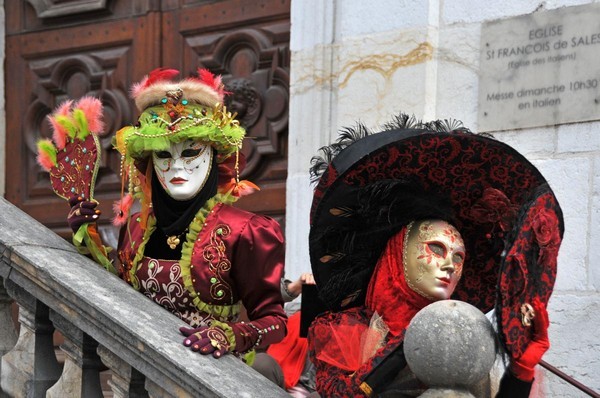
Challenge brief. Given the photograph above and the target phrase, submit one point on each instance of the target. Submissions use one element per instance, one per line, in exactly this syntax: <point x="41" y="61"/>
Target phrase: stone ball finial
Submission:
<point x="450" y="345"/>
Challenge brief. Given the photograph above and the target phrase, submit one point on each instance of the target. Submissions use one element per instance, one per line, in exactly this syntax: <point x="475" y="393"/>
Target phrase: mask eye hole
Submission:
<point x="163" y="154"/>
<point x="437" y="248"/>
<point x="458" y="258"/>
<point x="190" y="153"/>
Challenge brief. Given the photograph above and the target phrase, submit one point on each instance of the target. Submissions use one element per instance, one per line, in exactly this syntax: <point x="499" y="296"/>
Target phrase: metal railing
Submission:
<point x="569" y="379"/>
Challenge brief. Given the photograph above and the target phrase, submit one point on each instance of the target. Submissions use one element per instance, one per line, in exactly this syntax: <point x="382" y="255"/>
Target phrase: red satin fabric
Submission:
<point x="237" y="256"/>
<point x="340" y="343"/>
<point x="388" y="294"/>
<point x="291" y="352"/>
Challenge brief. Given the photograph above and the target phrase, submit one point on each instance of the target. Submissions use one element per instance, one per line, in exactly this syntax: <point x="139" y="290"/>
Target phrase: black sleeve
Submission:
<point x="511" y="387"/>
<point x="384" y="372"/>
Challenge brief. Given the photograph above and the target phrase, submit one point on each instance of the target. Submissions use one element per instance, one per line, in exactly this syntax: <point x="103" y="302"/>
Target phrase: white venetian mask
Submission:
<point x="183" y="169"/>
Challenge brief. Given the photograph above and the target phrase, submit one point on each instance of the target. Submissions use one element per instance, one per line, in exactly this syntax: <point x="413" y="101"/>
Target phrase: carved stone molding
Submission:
<point x="57" y="8"/>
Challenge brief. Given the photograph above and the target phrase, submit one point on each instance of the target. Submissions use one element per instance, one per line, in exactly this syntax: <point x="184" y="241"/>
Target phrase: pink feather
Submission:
<point x="121" y="209"/>
<point x="92" y="109"/>
<point x="59" y="133"/>
<point x="45" y="160"/>
<point x="64" y="109"/>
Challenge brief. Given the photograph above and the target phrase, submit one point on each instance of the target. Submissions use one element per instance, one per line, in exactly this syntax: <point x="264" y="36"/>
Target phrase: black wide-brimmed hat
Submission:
<point x="371" y="185"/>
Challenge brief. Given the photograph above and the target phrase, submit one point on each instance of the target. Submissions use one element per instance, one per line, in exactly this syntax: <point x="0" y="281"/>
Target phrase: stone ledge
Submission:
<point x="116" y="316"/>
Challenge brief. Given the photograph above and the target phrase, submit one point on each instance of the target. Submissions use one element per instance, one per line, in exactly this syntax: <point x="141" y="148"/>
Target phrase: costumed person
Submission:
<point x="418" y="213"/>
<point x="187" y="249"/>
<point x="292" y="352"/>
<point x="291" y="290"/>
<point x="286" y="363"/>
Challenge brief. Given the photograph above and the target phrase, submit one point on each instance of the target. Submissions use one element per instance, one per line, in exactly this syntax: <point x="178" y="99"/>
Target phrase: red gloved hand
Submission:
<point x="207" y="340"/>
<point x="523" y="367"/>
<point x="82" y="211"/>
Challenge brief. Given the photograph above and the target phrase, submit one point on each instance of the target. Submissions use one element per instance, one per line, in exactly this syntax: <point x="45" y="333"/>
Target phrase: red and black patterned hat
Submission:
<point x="371" y="185"/>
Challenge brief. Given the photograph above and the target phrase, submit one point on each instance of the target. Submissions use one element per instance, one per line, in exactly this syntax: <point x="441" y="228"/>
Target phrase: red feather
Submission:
<point x="160" y="74"/>
<point x="206" y="77"/>
<point x="122" y="208"/>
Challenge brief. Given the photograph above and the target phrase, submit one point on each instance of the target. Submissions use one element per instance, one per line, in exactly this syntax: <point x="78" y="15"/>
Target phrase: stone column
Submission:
<point x="156" y="391"/>
<point x="81" y="372"/>
<point x="126" y="382"/>
<point x="8" y="333"/>
<point x="30" y="368"/>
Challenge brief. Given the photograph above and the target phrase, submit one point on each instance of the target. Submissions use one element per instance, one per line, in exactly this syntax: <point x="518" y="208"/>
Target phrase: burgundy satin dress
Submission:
<point x="236" y="258"/>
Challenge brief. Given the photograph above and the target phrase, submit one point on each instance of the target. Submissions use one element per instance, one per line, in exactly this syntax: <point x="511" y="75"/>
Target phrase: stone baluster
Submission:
<point x="156" y="391"/>
<point x="81" y="372"/>
<point x="8" y="333"/>
<point x="41" y="270"/>
<point x="126" y="382"/>
<point x="30" y="368"/>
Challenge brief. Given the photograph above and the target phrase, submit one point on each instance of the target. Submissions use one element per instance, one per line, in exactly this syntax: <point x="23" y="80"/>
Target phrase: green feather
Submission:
<point x="81" y="124"/>
<point x="48" y="148"/>
<point x="68" y="125"/>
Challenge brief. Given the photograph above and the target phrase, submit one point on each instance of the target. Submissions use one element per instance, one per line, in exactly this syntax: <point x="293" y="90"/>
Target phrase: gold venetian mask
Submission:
<point x="433" y="258"/>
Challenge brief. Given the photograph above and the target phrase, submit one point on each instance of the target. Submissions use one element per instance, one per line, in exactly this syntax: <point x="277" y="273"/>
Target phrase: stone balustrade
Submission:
<point x="105" y="324"/>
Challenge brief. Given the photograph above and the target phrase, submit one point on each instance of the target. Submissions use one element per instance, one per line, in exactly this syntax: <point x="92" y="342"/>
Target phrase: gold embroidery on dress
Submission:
<point x="218" y="263"/>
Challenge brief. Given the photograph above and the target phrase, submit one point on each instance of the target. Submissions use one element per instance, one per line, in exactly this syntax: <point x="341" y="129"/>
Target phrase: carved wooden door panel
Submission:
<point x="58" y="49"/>
<point x="65" y="49"/>
<point x="246" y="41"/>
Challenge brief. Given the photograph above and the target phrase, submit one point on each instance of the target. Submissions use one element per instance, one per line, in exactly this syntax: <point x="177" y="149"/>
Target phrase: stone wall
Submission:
<point x="354" y="60"/>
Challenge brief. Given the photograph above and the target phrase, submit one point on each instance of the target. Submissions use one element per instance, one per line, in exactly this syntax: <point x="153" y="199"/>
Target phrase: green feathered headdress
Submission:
<point x="172" y="112"/>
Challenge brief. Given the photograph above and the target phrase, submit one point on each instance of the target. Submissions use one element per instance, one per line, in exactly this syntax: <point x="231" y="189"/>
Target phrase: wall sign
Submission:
<point x="540" y="69"/>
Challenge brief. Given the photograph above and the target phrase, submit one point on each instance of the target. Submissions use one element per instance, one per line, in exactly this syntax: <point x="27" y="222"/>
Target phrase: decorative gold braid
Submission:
<point x="404" y="261"/>
<point x="223" y="311"/>
<point x="366" y="389"/>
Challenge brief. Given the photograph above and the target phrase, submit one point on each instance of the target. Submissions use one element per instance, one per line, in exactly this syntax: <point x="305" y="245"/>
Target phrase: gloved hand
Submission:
<point x="523" y="367"/>
<point x="208" y="340"/>
<point x="82" y="211"/>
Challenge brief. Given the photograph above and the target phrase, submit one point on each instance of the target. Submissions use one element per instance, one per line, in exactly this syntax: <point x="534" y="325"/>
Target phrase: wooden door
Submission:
<point x="246" y="41"/>
<point x="58" y="49"/>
